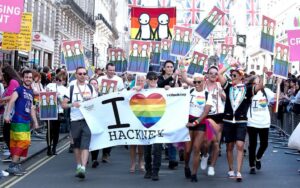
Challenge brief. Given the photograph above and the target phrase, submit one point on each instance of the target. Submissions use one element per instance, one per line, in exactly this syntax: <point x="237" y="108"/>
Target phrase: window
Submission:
<point x="42" y="14"/>
<point x="257" y="67"/>
<point x="252" y="66"/>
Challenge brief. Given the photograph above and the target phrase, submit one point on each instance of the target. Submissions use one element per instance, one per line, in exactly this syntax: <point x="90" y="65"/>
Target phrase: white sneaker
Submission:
<point x="231" y="174"/>
<point x="4" y="173"/>
<point x="204" y="162"/>
<point x="211" y="171"/>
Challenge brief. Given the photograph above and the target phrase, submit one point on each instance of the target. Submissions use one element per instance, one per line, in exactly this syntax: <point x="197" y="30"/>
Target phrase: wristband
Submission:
<point x="70" y="105"/>
<point x="196" y="122"/>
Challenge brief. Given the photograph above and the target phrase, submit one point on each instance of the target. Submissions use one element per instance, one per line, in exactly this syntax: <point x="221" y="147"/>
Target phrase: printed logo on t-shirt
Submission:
<point x="200" y="100"/>
<point x="263" y="103"/>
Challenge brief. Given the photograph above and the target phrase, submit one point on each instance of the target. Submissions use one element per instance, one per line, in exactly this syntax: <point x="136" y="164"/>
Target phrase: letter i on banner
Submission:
<point x="209" y="23"/>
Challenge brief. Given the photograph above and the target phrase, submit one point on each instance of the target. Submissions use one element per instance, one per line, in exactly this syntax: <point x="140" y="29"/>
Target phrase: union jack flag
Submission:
<point x="230" y="30"/>
<point x="164" y="3"/>
<point x="224" y="5"/>
<point x="133" y="3"/>
<point x="191" y="12"/>
<point x="252" y="12"/>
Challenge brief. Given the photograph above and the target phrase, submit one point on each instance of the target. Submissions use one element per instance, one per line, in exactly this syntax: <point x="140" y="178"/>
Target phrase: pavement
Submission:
<point x="278" y="170"/>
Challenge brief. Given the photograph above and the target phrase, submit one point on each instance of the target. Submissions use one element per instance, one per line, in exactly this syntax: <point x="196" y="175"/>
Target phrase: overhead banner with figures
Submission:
<point x="267" y="39"/>
<point x="209" y="23"/>
<point x="152" y="23"/>
<point x="138" y="118"/>
<point x="20" y="41"/>
<point x="73" y="55"/>
<point x="117" y="57"/>
<point x="281" y="61"/>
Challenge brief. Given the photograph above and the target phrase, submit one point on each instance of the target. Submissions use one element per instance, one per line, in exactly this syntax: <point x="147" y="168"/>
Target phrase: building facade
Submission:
<point x="73" y="23"/>
<point x="106" y="33"/>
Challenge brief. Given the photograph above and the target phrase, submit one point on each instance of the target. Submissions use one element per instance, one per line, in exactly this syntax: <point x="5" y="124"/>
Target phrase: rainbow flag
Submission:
<point x="148" y="110"/>
<point x="19" y="139"/>
<point x="152" y="23"/>
<point x="267" y="39"/>
<point x="197" y="63"/>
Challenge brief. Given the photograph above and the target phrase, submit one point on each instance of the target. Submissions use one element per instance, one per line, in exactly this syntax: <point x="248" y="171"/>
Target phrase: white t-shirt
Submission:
<point x="76" y="97"/>
<point x="198" y="102"/>
<point x="260" y="115"/>
<point x="120" y="84"/>
<point x="61" y="91"/>
<point x="217" y="104"/>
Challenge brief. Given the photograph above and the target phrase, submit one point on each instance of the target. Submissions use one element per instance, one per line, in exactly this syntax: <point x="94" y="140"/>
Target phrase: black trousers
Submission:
<point x="263" y="137"/>
<point x="6" y="133"/>
<point x="53" y="133"/>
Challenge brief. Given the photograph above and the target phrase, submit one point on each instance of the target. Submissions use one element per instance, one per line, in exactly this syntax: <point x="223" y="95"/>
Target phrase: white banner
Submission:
<point x="138" y="118"/>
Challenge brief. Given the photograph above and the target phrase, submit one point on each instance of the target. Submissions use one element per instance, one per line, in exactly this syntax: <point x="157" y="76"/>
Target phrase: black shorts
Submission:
<point x="218" y="118"/>
<point x="199" y="127"/>
<point x="234" y="132"/>
<point x="81" y="134"/>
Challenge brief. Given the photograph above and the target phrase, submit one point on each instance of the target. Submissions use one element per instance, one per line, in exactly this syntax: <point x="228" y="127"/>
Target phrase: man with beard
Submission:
<point x="22" y="100"/>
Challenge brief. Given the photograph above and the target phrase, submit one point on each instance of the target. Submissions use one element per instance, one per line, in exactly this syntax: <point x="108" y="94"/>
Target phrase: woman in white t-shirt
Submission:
<point x="200" y="105"/>
<point x="259" y="122"/>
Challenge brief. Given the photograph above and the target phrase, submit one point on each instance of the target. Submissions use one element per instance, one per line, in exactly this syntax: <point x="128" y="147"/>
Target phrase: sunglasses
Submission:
<point x="80" y="74"/>
<point x="169" y="67"/>
<point x="197" y="82"/>
<point x="233" y="75"/>
<point x="153" y="78"/>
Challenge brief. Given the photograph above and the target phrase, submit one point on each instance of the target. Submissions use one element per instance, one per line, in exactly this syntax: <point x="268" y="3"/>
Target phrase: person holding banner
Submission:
<point x="166" y="80"/>
<point x="237" y="104"/>
<point x="80" y="131"/>
<point x="22" y="102"/>
<point x="200" y="105"/>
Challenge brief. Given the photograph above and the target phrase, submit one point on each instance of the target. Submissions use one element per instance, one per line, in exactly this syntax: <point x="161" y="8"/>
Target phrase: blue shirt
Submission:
<point x="23" y="105"/>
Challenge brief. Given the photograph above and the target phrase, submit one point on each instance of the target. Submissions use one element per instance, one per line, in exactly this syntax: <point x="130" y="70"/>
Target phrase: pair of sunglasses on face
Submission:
<point x="152" y="78"/>
<point x="233" y="75"/>
<point x="197" y="82"/>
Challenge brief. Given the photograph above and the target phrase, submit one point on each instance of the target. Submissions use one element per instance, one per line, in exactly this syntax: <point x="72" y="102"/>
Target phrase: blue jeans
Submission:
<point x="172" y="152"/>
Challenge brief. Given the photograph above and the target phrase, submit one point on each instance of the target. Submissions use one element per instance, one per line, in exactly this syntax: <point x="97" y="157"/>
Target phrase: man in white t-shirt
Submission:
<point x="110" y="75"/>
<point x="80" y="131"/>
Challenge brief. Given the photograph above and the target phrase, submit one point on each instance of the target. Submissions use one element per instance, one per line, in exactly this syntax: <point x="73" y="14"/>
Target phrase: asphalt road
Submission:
<point x="278" y="170"/>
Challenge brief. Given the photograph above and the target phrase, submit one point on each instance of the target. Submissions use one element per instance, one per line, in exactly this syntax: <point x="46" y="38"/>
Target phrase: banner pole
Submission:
<point x="277" y="94"/>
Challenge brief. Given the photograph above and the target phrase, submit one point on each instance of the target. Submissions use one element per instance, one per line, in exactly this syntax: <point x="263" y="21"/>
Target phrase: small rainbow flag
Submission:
<point x="148" y="110"/>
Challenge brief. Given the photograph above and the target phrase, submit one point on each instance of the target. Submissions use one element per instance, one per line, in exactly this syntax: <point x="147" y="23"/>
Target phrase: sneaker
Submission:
<point x="194" y="178"/>
<point x="154" y="176"/>
<point x="148" y="175"/>
<point x="211" y="171"/>
<point x="21" y="169"/>
<point x="95" y="164"/>
<point x="258" y="164"/>
<point x="239" y="177"/>
<point x="187" y="172"/>
<point x="7" y="159"/>
<point x="3" y="173"/>
<point x="80" y="173"/>
<point x="14" y="170"/>
<point x="204" y="160"/>
<point x="231" y="174"/>
<point x="252" y="170"/>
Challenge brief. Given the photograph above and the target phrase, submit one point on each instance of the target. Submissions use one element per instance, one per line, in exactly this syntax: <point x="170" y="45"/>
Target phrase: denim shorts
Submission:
<point x="81" y="134"/>
<point x="234" y="132"/>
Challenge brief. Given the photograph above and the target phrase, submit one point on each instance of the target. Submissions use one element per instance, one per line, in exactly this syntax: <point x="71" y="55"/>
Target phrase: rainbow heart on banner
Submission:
<point x="148" y="110"/>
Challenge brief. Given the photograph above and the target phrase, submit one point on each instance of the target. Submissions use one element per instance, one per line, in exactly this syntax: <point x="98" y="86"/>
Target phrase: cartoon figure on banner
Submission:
<point x="163" y="31"/>
<point x="267" y="34"/>
<point x="155" y="55"/>
<point x="73" y="56"/>
<point x="48" y="106"/>
<point x="209" y="23"/>
<point x="226" y="50"/>
<point x="197" y="63"/>
<point x="281" y="62"/>
<point x="107" y="86"/>
<point x="166" y="50"/>
<point x="182" y="41"/>
<point x="139" y="57"/>
<point x="152" y="23"/>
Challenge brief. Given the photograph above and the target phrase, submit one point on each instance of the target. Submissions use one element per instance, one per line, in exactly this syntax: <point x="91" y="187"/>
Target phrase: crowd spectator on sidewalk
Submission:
<point x="22" y="103"/>
<point x="11" y="80"/>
